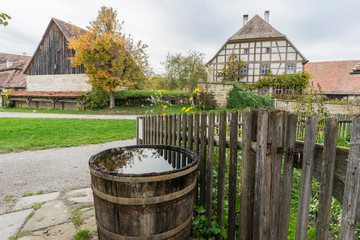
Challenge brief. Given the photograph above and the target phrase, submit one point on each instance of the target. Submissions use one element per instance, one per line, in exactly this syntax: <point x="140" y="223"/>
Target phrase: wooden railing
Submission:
<point x="269" y="153"/>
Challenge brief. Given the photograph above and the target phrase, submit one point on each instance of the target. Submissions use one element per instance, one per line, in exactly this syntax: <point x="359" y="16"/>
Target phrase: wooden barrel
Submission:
<point x="147" y="205"/>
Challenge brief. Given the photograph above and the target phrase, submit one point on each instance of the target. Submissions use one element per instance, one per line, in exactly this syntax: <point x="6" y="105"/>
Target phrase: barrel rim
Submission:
<point x="190" y="153"/>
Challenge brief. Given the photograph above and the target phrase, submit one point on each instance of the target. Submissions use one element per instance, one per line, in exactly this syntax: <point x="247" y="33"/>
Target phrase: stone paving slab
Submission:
<point x="83" y="195"/>
<point x="11" y="223"/>
<point x="62" y="231"/>
<point x="27" y="202"/>
<point x="50" y="214"/>
<point x="3" y="208"/>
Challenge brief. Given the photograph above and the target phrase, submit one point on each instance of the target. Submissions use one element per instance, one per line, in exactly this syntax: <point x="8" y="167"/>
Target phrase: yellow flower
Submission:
<point x="183" y="109"/>
<point x="190" y="99"/>
<point x="164" y="114"/>
<point x="205" y="91"/>
<point x="196" y="90"/>
<point x="165" y="106"/>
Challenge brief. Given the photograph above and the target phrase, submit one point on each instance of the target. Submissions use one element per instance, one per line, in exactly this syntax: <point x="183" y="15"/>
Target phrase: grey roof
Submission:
<point x="68" y="29"/>
<point x="256" y="28"/>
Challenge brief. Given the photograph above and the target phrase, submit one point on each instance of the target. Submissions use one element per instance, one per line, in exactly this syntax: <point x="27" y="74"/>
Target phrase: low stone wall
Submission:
<point x="61" y="82"/>
<point x="331" y="107"/>
<point x="219" y="90"/>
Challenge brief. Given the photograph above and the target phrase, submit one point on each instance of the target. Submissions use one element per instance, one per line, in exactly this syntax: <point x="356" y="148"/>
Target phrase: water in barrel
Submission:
<point x="142" y="160"/>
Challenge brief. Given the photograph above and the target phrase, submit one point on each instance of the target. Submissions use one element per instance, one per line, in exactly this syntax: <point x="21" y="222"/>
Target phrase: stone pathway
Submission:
<point x="49" y="216"/>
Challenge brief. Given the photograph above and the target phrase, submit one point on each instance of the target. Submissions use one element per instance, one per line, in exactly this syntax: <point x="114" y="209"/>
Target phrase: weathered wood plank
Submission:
<point x="327" y="178"/>
<point x="306" y="177"/>
<point x="248" y="163"/>
<point x="178" y="133"/>
<point x="221" y="168"/>
<point x="184" y="130"/>
<point x="203" y="158"/>
<point x="196" y="148"/>
<point x="288" y="169"/>
<point x="232" y="173"/>
<point x="173" y="143"/>
<point x="190" y="133"/>
<point x="352" y="187"/>
<point x="210" y="166"/>
<point x="161" y="129"/>
<point x="166" y="130"/>
<point x="276" y="131"/>
<point x="262" y="180"/>
<point x="169" y="130"/>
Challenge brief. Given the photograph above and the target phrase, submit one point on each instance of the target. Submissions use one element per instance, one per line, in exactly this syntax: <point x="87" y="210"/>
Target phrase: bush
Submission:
<point x="97" y="99"/>
<point x="239" y="98"/>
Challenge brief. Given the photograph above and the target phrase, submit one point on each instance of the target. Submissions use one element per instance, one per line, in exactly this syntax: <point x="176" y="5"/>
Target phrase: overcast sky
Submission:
<point x="323" y="30"/>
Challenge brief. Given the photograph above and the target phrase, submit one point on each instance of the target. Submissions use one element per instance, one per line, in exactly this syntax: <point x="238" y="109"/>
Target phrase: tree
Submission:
<point x="3" y="19"/>
<point x="184" y="71"/>
<point x="232" y="70"/>
<point x="111" y="59"/>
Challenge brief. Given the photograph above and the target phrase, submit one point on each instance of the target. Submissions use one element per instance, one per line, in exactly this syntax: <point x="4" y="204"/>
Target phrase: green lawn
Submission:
<point x="26" y="133"/>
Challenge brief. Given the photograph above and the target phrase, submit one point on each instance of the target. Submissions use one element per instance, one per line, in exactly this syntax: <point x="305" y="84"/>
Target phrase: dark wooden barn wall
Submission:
<point x="52" y="57"/>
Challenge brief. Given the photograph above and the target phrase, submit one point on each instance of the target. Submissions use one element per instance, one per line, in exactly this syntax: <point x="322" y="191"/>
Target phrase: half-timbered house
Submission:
<point x="264" y="50"/>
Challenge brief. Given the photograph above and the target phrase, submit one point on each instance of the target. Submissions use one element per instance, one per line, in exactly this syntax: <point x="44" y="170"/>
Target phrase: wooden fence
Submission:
<point x="269" y="153"/>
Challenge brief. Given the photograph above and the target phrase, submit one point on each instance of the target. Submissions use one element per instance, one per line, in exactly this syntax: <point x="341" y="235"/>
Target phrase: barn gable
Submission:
<point x="52" y="55"/>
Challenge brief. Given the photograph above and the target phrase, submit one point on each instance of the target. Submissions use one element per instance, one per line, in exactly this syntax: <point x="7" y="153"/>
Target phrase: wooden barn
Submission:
<point x="51" y="81"/>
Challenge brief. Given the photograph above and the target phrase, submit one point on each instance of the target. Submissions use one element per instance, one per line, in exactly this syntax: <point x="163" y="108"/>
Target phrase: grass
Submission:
<point x="36" y="206"/>
<point x="76" y="218"/>
<point x="29" y="134"/>
<point x="82" y="235"/>
<point x="19" y="235"/>
<point x="8" y="198"/>
<point x="39" y="192"/>
<point x="27" y="194"/>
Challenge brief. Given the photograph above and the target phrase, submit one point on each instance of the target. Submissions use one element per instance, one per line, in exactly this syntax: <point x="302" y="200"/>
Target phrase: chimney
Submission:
<point x="267" y="16"/>
<point x="9" y="63"/>
<point x="245" y="19"/>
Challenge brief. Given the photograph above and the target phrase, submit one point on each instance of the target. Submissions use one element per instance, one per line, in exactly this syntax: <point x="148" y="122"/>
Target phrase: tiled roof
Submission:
<point x="334" y="77"/>
<point x="256" y="28"/>
<point x="46" y="94"/>
<point x="13" y="76"/>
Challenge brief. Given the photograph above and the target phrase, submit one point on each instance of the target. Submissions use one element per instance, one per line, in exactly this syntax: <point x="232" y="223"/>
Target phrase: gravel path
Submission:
<point x="56" y="169"/>
<point x="56" y="115"/>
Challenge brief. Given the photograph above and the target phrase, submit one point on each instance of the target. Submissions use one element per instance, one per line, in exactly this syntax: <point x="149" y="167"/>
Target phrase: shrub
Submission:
<point x="239" y="98"/>
<point x="97" y="99"/>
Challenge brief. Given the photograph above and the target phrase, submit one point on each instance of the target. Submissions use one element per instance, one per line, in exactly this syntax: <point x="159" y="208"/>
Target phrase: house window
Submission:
<point x="243" y="70"/>
<point x="278" y="90"/>
<point x="267" y="50"/>
<point x="246" y="51"/>
<point x="290" y="69"/>
<point x="288" y="91"/>
<point x="265" y="70"/>
<point x="263" y="90"/>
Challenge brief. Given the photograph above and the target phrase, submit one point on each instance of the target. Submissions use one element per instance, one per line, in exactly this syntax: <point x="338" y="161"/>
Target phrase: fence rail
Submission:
<point x="269" y="153"/>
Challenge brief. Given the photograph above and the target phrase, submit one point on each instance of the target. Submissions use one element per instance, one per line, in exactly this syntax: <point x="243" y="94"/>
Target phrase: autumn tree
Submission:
<point x="3" y="19"/>
<point x="111" y="58"/>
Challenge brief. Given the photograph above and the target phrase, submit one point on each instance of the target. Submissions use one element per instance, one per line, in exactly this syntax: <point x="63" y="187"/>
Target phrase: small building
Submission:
<point x="12" y="68"/>
<point x="51" y="81"/>
<point x="263" y="48"/>
<point x="337" y="79"/>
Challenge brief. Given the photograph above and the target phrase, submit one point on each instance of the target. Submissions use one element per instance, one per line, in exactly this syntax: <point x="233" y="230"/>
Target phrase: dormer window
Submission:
<point x="267" y="50"/>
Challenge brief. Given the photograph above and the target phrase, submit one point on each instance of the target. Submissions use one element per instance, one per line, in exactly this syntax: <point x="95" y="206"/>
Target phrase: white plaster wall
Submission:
<point x="63" y="82"/>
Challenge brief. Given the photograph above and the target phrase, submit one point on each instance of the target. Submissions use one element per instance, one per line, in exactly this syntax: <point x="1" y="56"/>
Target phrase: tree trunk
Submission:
<point x="112" y="99"/>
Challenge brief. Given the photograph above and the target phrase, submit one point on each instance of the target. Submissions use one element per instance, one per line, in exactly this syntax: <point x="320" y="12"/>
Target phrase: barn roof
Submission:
<point x="13" y="76"/>
<point x="256" y="28"/>
<point x="334" y="77"/>
<point x="67" y="29"/>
